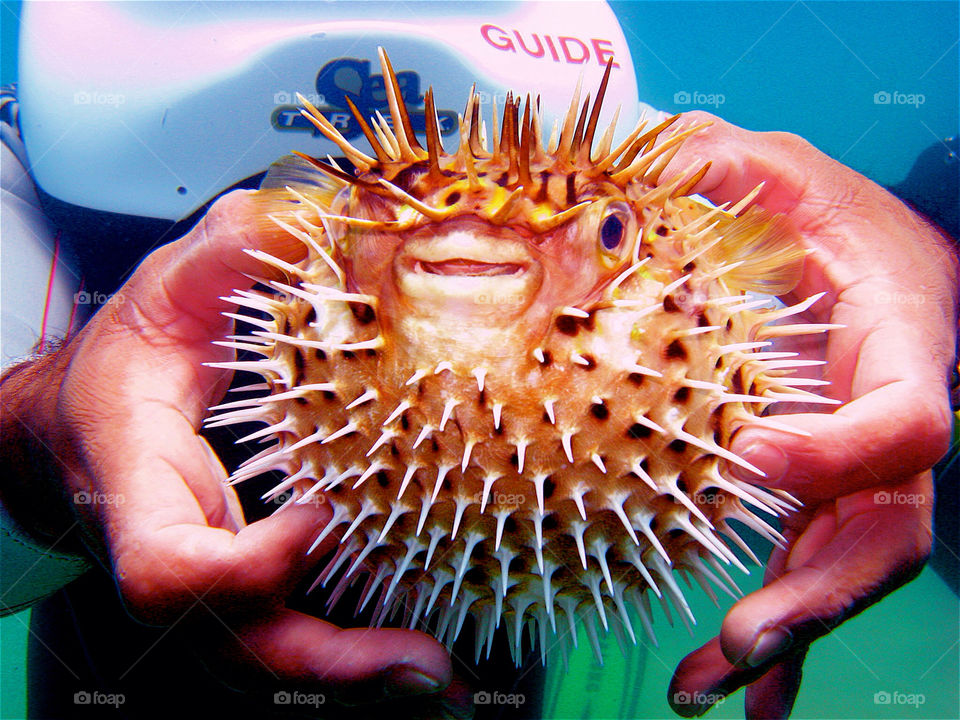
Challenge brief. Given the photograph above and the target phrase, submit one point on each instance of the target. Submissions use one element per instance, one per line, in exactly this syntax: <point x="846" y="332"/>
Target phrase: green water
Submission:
<point x="14" y="631"/>
<point x="905" y="644"/>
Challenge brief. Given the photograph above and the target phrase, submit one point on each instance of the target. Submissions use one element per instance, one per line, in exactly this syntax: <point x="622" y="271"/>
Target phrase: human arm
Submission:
<point x="37" y="306"/>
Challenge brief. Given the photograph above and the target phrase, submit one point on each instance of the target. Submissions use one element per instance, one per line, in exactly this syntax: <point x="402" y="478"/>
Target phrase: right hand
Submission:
<point x="113" y="417"/>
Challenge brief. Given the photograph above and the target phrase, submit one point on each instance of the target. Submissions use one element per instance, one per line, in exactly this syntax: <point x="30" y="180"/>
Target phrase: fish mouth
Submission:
<point x="467" y="268"/>
<point x="466" y="263"/>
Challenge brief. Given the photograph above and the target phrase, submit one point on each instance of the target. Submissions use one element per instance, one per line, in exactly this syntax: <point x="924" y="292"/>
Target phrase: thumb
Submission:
<point x="795" y="174"/>
<point x="165" y="316"/>
<point x="187" y="277"/>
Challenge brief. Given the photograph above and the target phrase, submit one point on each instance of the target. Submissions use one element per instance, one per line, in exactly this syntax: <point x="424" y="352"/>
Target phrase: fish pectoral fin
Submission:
<point x="769" y="254"/>
<point x="297" y="172"/>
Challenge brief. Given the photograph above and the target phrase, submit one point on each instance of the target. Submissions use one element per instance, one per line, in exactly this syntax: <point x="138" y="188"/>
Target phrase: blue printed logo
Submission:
<point x="350" y="77"/>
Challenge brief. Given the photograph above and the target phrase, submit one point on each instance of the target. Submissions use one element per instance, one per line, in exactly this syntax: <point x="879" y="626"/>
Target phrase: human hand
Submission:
<point x="891" y="282"/>
<point x="115" y="415"/>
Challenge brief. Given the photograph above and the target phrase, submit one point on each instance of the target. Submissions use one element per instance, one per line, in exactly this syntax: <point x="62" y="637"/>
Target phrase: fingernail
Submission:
<point x="764" y="456"/>
<point x="771" y="642"/>
<point x="407" y="680"/>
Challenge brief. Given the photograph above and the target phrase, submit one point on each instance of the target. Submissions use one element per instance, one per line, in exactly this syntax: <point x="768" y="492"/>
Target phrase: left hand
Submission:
<point x="849" y="546"/>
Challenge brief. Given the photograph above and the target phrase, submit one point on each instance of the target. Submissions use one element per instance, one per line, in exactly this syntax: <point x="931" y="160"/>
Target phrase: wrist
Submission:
<point x="32" y="486"/>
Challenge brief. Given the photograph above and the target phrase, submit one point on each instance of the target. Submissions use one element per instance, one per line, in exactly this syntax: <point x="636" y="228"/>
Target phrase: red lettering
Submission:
<point x="553" y="50"/>
<point x="501" y="41"/>
<point x="575" y="51"/>
<point x="565" y="44"/>
<point x="601" y="52"/>
<point x="538" y="53"/>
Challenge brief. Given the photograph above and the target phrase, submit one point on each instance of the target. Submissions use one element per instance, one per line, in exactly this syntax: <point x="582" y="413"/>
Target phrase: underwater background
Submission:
<point x="875" y="86"/>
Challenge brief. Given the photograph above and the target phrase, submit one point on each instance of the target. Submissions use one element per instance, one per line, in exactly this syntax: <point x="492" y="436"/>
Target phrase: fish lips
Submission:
<point x="467" y="267"/>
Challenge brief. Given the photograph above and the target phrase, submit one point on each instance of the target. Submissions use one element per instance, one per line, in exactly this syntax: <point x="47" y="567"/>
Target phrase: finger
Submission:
<point x="183" y="281"/>
<point x="705" y="677"/>
<point x="771" y="697"/>
<point x="168" y="561"/>
<point x="899" y="429"/>
<point x="876" y="547"/>
<point x="359" y="665"/>
<point x="847" y="557"/>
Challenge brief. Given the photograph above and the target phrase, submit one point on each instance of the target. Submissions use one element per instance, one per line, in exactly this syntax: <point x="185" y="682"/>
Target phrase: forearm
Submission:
<point x="32" y="471"/>
<point x="39" y="542"/>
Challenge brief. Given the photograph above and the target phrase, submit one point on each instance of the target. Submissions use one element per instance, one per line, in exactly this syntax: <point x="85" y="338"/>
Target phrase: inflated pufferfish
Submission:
<point x="513" y="372"/>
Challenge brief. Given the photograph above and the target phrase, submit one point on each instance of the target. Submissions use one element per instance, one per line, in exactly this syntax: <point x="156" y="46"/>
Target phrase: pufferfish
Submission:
<point x="514" y="370"/>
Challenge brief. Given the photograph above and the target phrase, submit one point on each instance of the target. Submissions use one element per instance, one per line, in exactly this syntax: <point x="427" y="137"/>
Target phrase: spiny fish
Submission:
<point x="514" y="370"/>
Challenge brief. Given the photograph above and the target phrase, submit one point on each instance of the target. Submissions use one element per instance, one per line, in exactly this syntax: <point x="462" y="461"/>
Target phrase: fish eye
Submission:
<point x="611" y="232"/>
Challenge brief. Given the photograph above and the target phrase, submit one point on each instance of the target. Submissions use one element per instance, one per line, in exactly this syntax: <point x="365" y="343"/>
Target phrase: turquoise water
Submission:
<point x="819" y="69"/>
<point x="9" y="14"/>
<point x="812" y="68"/>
